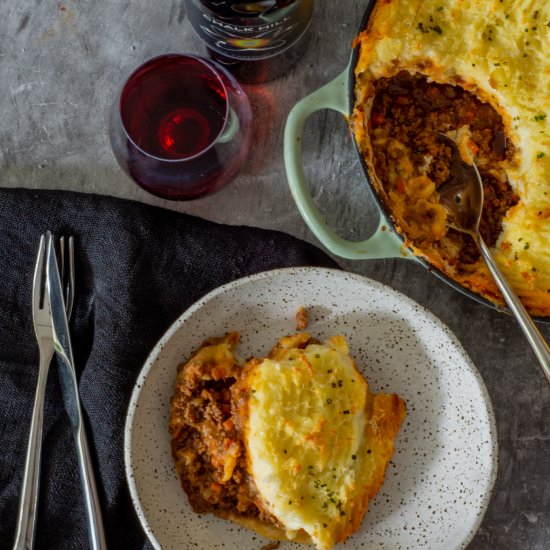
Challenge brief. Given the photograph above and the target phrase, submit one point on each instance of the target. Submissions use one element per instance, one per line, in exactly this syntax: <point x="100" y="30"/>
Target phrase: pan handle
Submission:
<point x="383" y="243"/>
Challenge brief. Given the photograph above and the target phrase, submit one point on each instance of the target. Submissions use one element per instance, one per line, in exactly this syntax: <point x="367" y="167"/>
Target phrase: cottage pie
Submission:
<point x="478" y="71"/>
<point x="293" y="445"/>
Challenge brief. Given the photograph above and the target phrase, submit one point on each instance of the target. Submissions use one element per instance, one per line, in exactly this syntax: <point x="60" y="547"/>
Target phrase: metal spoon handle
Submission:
<point x="534" y="337"/>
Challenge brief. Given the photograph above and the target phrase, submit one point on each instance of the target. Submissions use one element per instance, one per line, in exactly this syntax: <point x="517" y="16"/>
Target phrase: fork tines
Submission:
<point x="67" y="272"/>
<point x="39" y="281"/>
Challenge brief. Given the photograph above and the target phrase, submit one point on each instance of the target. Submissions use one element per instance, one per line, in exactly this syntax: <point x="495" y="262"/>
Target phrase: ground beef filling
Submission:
<point x="207" y="446"/>
<point x="407" y="113"/>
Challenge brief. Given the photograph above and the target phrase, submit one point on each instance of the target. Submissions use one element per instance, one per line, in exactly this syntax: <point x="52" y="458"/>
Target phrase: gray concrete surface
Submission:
<point x="60" y="66"/>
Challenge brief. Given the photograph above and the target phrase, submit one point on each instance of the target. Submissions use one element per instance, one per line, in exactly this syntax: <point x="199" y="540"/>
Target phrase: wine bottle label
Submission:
<point x="249" y="31"/>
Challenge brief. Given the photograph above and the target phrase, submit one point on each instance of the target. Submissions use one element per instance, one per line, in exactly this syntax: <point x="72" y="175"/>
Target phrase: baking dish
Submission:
<point x="387" y="241"/>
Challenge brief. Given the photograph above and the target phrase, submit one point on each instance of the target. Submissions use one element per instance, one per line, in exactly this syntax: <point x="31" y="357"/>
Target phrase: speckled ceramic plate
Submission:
<point x="439" y="482"/>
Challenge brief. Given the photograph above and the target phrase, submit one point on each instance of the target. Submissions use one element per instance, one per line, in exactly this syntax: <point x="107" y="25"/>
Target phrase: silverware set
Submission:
<point x="52" y="304"/>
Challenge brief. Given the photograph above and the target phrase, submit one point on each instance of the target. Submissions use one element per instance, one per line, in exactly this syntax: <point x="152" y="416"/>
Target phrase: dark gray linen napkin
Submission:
<point x="137" y="268"/>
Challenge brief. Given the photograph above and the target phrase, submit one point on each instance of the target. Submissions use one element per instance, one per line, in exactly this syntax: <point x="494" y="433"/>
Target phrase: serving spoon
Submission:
<point x="462" y="197"/>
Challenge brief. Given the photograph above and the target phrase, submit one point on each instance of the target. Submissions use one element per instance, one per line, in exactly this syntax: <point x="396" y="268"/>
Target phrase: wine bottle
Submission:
<point x="256" y="41"/>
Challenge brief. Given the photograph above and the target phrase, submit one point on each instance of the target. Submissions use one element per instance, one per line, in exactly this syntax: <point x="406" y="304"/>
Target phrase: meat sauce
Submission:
<point x="407" y="114"/>
<point x="206" y="441"/>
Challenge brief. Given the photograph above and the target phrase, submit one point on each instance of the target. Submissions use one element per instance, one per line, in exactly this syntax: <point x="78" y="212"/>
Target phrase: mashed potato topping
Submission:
<point x="318" y="442"/>
<point x="498" y="51"/>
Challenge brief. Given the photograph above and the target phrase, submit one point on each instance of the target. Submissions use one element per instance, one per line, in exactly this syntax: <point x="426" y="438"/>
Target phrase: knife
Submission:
<point x="69" y="389"/>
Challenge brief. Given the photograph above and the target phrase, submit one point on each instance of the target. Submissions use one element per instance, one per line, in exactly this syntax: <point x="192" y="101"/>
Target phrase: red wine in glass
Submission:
<point x="181" y="127"/>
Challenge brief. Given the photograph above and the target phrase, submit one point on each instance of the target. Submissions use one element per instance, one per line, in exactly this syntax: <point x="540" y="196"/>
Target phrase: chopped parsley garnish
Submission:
<point x="541" y="116"/>
<point x="329" y="401"/>
<point x="354" y="457"/>
<point x="426" y="30"/>
<point x="421" y="28"/>
<point x="540" y="155"/>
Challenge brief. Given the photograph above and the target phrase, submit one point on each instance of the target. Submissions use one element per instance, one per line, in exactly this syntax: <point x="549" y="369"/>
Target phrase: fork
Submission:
<point x="26" y="519"/>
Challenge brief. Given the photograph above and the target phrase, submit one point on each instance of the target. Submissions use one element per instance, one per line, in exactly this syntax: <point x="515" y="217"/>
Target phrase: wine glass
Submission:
<point x="181" y="126"/>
